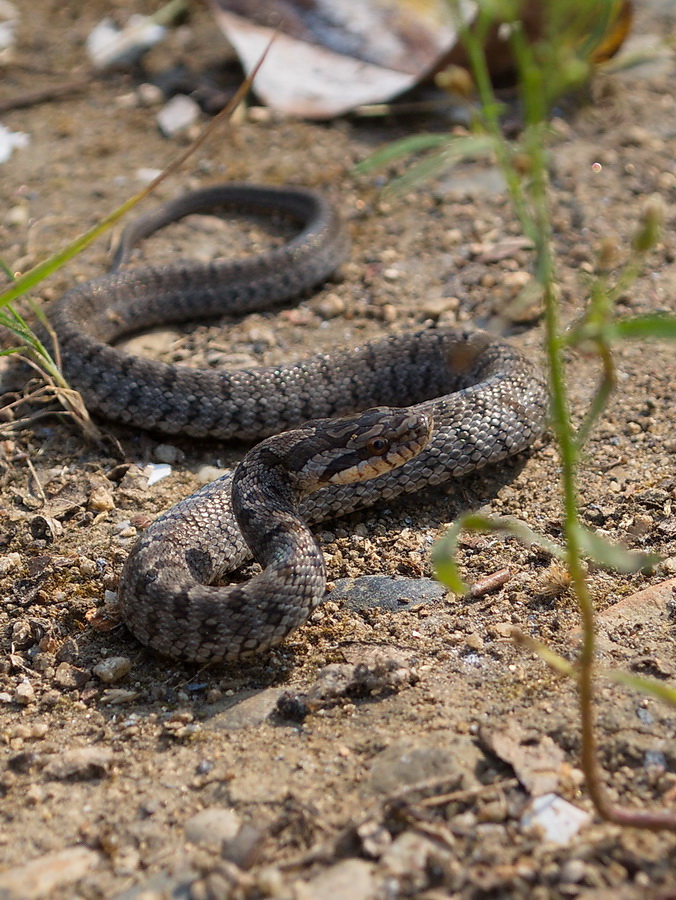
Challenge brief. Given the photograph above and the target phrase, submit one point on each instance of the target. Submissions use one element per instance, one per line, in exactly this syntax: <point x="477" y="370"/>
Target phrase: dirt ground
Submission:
<point x="409" y="770"/>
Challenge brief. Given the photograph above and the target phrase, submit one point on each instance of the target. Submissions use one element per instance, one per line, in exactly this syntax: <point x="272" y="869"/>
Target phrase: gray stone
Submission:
<point x="235" y="713"/>
<point x="351" y="879"/>
<point x="411" y="761"/>
<point x="80" y="764"/>
<point x="212" y="826"/>
<point x="41" y="877"/>
<point x="112" y="669"/>
<point x="389" y="592"/>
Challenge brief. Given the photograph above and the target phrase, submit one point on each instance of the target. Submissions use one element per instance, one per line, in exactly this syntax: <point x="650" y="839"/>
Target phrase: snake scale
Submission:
<point x="463" y="399"/>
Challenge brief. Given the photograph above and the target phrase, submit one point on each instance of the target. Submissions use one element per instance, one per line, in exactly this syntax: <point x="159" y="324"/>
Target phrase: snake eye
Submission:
<point x="378" y="446"/>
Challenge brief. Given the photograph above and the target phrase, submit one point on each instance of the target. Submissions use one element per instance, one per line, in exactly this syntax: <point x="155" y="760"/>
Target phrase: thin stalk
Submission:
<point x="535" y="111"/>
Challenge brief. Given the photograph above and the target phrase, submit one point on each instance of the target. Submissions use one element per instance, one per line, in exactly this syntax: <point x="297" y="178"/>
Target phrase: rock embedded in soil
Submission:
<point x="389" y="592"/>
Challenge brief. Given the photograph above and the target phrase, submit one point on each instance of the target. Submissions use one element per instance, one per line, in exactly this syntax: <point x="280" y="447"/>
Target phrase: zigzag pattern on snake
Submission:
<point x="486" y="401"/>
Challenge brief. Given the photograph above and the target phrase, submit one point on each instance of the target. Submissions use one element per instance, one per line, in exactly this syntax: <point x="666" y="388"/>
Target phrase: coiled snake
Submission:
<point x="485" y="401"/>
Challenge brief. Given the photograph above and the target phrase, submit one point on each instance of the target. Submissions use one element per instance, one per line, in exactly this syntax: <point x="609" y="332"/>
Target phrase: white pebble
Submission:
<point x="112" y="669"/>
<point x="177" y="115"/>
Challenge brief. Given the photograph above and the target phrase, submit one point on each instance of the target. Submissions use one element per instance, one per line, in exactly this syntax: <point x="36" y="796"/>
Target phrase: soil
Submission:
<point x="407" y="768"/>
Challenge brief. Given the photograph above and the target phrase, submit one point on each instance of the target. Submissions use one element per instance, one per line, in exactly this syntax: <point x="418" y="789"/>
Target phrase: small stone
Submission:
<point x="330" y="306"/>
<point x="640" y="526"/>
<point x="45" y="528"/>
<point x="69" y="677"/>
<point x="43" y="876"/>
<point x="435" y="307"/>
<point x="411" y="859"/>
<point x="118" y="696"/>
<point x="80" y="764"/>
<point x="246" y="712"/>
<point x="8" y="563"/>
<point x="167" y="453"/>
<point x="100" y="500"/>
<point x="156" y="472"/>
<point x="149" y="95"/>
<point x="212" y="826"/>
<point x="177" y="115"/>
<point x="388" y="313"/>
<point x="17" y="217"/>
<point x="24" y="693"/>
<point x="573" y="871"/>
<point x="88" y="567"/>
<point x="474" y="641"/>
<point x="555" y="818"/>
<point x="207" y="474"/>
<point x="112" y="669"/>
<point x="514" y="282"/>
<point x="351" y="879"/>
<point x="669" y="565"/>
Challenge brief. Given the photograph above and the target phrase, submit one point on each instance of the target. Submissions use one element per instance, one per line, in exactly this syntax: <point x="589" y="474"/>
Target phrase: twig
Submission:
<point x="42" y="95"/>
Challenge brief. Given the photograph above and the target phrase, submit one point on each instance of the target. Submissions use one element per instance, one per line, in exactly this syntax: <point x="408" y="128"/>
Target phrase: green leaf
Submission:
<point x="443" y="552"/>
<point x="657" y="689"/>
<point x="658" y="326"/>
<point x="6" y="269"/>
<point x="614" y="556"/>
<point x="397" y="149"/>
<point x="650" y="686"/>
<point x="546" y="654"/>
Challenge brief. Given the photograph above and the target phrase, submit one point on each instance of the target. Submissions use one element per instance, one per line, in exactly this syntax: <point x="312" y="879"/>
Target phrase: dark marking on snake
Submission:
<point x="448" y="383"/>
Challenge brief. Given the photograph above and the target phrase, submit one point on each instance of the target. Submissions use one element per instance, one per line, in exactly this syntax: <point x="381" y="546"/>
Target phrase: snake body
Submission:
<point x="485" y="399"/>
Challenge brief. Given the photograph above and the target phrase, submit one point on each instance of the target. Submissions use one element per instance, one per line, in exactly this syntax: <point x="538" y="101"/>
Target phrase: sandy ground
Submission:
<point x="414" y="779"/>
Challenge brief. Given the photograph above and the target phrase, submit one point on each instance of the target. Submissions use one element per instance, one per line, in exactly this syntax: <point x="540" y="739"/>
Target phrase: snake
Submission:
<point x="338" y="431"/>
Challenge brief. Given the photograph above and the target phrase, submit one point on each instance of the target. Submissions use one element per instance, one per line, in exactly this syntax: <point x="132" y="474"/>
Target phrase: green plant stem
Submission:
<point x="568" y="451"/>
<point x="537" y="225"/>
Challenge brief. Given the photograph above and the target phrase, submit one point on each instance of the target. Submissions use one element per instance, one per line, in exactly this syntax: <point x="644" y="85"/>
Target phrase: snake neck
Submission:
<point x="267" y="511"/>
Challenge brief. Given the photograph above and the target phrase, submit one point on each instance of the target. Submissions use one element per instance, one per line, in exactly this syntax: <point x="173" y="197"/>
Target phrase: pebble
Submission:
<point x="167" y="453"/>
<point x="435" y="307"/>
<point x="247" y="712"/>
<point x="108" y="45"/>
<point x="112" y="669"/>
<point x="412" y="760"/>
<point x="411" y="859"/>
<point x="88" y="567"/>
<point x="24" y="693"/>
<point x="80" y="764"/>
<point x="156" y="472"/>
<point x="351" y="879"/>
<point x="41" y="877"/>
<point x="8" y="563"/>
<point x="177" y="115"/>
<point x="207" y="474"/>
<point x="330" y="306"/>
<point x="69" y="677"/>
<point x="573" y="871"/>
<point x="149" y="95"/>
<point x="212" y="826"/>
<point x="45" y="528"/>
<point x="557" y="819"/>
<point x="474" y="641"/>
<point x="100" y="500"/>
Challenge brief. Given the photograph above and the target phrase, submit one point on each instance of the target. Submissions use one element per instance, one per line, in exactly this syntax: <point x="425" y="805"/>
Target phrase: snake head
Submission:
<point x="364" y="446"/>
